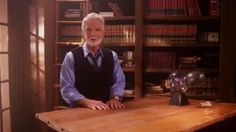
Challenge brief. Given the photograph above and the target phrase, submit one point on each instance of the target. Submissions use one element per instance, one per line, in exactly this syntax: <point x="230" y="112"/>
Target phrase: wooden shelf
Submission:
<point x="68" y="22"/>
<point x="213" y="44"/>
<point x="104" y="44"/>
<point x="167" y="94"/>
<point x="56" y="85"/>
<point x="70" y="43"/>
<point x="118" y="44"/>
<point x="70" y="0"/>
<point x="129" y="96"/>
<point x="125" y="18"/>
<point x="151" y="70"/>
<point x="58" y="64"/>
<point x="183" y="18"/>
<point x="128" y="69"/>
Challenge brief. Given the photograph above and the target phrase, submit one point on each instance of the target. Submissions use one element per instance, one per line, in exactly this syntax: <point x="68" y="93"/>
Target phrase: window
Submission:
<point x="5" y="117"/>
<point x="37" y="46"/>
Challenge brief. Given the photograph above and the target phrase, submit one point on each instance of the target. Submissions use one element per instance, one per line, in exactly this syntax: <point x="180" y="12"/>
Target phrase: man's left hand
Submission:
<point x="115" y="104"/>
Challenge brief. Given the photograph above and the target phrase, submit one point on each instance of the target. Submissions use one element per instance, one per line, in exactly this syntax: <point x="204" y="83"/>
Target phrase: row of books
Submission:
<point x="74" y="12"/>
<point x="188" y="62"/>
<point x="208" y="90"/>
<point x="153" y="88"/>
<point x="172" y="8"/>
<point x="113" y="33"/>
<point x="119" y="34"/>
<point x="129" y="30"/>
<point x="214" y="7"/>
<point x="160" y="60"/>
<point x="115" y="8"/>
<point x="169" y="33"/>
<point x="70" y="33"/>
<point x="70" y="30"/>
<point x="155" y="34"/>
<point x="169" y="60"/>
<point x="77" y="39"/>
<point x="203" y="94"/>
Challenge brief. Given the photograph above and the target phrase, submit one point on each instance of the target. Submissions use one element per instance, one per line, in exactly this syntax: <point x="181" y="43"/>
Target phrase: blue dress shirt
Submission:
<point x="67" y="76"/>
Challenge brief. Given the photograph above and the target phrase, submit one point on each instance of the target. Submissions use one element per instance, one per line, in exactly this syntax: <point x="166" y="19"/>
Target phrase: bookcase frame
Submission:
<point x="140" y="47"/>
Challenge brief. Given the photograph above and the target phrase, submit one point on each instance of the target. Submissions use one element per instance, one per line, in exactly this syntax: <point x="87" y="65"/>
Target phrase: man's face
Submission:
<point x="93" y="32"/>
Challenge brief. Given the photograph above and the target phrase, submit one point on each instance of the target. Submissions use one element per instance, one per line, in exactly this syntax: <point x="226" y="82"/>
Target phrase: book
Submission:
<point x="116" y="9"/>
<point x="107" y="14"/>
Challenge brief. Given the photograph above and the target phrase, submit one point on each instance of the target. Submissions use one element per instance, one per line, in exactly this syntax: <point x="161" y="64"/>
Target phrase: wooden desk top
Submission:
<point x="145" y="114"/>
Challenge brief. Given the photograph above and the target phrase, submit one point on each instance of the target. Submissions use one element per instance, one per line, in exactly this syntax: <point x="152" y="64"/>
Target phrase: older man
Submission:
<point x="91" y="75"/>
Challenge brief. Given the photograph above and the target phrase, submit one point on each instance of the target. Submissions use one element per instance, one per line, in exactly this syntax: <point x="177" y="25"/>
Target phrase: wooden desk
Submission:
<point x="142" y="115"/>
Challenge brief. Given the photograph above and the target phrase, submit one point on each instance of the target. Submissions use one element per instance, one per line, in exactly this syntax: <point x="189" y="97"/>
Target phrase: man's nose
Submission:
<point x="92" y="33"/>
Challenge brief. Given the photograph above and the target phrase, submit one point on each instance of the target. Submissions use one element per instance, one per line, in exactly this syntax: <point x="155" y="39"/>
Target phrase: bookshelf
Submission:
<point x="178" y="38"/>
<point x="161" y="39"/>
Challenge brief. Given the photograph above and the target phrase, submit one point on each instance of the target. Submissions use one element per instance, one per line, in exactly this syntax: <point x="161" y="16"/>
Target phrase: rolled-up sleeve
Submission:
<point x="67" y="80"/>
<point x="118" y="86"/>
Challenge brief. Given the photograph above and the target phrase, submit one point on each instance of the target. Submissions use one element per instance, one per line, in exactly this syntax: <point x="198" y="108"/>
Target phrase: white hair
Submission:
<point x="91" y="16"/>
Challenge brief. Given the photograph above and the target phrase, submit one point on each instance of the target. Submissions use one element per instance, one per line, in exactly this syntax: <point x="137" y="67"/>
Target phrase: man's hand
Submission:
<point x="92" y="104"/>
<point x="115" y="104"/>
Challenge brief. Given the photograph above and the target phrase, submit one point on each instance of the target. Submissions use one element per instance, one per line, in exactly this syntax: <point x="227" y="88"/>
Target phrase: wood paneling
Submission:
<point x="30" y="74"/>
<point x="49" y="40"/>
<point x="138" y="47"/>
<point x="19" y="63"/>
<point x="228" y="64"/>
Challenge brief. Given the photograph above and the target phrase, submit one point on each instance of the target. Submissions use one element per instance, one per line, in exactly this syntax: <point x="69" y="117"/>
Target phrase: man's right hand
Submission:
<point x="92" y="104"/>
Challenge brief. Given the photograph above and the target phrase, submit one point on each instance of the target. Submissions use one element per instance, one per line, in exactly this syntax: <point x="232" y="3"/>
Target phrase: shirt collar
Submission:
<point x="87" y="51"/>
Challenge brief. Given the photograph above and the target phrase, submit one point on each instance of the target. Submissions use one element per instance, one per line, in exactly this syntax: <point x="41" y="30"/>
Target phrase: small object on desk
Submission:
<point x="180" y="83"/>
<point x="177" y="89"/>
<point x="206" y="104"/>
<point x="179" y="99"/>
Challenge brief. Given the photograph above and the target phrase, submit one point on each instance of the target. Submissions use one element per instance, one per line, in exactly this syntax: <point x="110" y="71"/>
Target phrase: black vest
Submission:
<point x="89" y="83"/>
